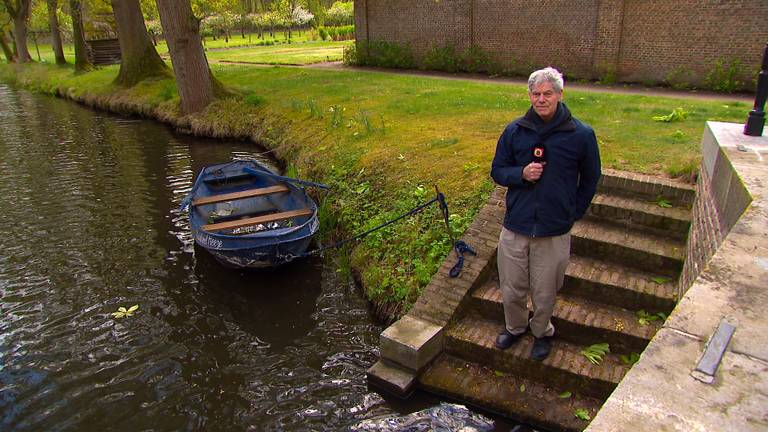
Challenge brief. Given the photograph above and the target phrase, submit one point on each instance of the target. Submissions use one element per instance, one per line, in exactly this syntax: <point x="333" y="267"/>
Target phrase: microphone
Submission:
<point x="538" y="153"/>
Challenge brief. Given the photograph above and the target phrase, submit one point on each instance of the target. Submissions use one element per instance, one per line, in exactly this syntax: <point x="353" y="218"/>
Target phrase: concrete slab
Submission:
<point x="397" y="381"/>
<point x="660" y="393"/>
<point x="411" y="342"/>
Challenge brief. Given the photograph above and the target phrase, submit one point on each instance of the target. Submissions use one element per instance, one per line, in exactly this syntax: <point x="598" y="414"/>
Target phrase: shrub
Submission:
<point x="441" y="58"/>
<point x="723" y="77"/>
<point x="475" y="59"/>
<point x="323" y="33"/>
<point x="679" y="78"/>
<point x="379" y="53"/>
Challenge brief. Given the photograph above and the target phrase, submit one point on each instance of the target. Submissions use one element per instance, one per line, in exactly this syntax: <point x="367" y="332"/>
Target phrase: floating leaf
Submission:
<point x="123" y="312"/>
<point x="564" y="395"/>
<point x="582" y="414"/>
<point x="498" y="373"/>
<point x="522" y="387"/>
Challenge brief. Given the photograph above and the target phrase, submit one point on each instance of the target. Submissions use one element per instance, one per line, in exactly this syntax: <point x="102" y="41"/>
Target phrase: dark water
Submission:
<point x="89" y="223"/>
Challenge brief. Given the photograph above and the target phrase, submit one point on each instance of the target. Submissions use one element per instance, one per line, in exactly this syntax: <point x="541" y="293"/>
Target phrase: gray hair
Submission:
<point x="548" y="74"/>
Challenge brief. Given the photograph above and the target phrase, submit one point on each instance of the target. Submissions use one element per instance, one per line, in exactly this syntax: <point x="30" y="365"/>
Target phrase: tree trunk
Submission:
<point x="140" y="59"/>
<point x="53" y="22"/>
<point x="193" y="75"/>
<point x="19" y="11"/>
<point x="7" y="50"/>
<point x="82" y="60"/>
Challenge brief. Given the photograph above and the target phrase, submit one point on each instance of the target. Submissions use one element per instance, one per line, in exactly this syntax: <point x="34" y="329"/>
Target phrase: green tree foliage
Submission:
<point x="340" y="13"/>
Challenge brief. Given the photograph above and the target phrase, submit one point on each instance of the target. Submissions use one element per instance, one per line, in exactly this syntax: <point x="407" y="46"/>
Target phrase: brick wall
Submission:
<point x="639" y="40"/>
<point x="705" y="235"/>
<point x="663" y="37"/>
<point x="721" y="199"/>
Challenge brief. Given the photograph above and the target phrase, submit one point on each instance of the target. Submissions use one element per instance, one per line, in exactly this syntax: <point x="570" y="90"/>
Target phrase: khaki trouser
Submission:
<point x="535" y="264"/>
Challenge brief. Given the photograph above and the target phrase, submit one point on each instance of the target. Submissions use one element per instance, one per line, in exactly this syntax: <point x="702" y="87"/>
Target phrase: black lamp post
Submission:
<point x="756" y="119"/>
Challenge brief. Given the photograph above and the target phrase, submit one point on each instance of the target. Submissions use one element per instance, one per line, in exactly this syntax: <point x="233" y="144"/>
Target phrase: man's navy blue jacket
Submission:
<point x="550" y="206"/>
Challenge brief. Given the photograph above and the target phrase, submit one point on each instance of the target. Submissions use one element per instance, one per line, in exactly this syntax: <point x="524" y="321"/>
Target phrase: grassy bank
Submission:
<point x="384" y="140"/>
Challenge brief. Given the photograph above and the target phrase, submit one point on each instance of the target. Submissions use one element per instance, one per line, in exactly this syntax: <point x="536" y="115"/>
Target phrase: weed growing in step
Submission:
<point x="582" y="414"/>
<point x="595" y="353"/>
<point x="644" y="318"/>
<point x="630" y="359"/>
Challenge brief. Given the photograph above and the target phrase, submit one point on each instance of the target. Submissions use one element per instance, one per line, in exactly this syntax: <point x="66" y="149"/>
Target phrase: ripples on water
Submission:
<point x="88" y="223"/>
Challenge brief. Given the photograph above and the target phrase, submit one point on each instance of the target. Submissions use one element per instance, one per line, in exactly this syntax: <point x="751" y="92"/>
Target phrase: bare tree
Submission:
<point x="140" y="59"/>
<point x="82" y="59"/>
<point x="53" y="22"/>
<point x="19" y="11"/>
<point x="197" y="87"/>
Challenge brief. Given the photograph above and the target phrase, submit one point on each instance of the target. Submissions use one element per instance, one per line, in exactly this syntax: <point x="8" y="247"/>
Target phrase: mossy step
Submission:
<point x="647" y="187"/>
<point x="642" y="214"/>
<point x="473" y="338"/>
<point x="524" y="400"/>
<point x="615" y="284"/>
<point x="629" y="247"/>
<point x="578" y="320"/>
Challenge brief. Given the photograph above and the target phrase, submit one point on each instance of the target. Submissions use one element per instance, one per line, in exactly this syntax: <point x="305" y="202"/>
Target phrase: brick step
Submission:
<point x="642" y="214"/>
<point x="473" y="337"/>
<point x="647" y="187"/>
<point x="524" y="400"/>
<point x="618" y="285"/>
<point x="577" y="320"/>
<point x="628" y="247"/>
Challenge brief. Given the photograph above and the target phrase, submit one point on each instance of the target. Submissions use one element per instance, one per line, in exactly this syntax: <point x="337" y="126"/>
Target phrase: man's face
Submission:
<point x="544" y="99"/>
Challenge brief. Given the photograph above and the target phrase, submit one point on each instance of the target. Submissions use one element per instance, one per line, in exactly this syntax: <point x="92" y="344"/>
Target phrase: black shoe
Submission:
<point x="506" y="339"/>
<point x="541" y="348"/>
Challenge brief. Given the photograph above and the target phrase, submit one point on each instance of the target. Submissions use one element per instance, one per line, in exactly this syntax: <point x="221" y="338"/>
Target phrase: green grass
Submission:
<point x="303" y="49"/>
<point x="383" y="140"/>
<point x="294" y="54"/>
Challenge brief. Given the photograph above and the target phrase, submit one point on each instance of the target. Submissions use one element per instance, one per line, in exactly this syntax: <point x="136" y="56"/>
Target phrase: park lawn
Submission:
<point x="385" y="140"/>
<point x="303" y="48"/>
<point x="293" y="54"/>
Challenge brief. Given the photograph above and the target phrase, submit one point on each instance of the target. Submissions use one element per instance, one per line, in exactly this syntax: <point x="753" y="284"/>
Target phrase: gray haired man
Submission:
<point x="550" y="164"/>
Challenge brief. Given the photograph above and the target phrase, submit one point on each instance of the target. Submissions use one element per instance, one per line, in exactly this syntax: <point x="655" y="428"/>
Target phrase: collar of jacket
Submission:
<point x="561" y="122"/>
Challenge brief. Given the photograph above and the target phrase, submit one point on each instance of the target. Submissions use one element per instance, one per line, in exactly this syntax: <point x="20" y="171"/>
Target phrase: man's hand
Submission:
<point x="532" y="171"/>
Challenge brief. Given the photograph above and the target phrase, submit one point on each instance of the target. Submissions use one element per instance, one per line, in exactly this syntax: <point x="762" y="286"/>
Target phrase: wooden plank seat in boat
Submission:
<point x="274" y="217"/>
<point x="249" y="193"/>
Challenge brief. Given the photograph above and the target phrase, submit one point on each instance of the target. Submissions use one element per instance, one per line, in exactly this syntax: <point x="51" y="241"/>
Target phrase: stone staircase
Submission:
<point x="626" y="256"/>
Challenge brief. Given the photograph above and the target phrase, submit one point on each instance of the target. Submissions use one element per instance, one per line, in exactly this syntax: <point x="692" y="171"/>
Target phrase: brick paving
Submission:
<point x="531" y="402"/>
<point x="626" y="256"/>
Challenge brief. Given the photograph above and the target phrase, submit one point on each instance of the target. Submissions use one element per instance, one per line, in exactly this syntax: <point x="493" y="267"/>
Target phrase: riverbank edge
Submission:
<point x="274" y="134"/>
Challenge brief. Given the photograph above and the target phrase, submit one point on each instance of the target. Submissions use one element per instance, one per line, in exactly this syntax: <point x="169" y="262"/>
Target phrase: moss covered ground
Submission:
<point x="383" y="141"/>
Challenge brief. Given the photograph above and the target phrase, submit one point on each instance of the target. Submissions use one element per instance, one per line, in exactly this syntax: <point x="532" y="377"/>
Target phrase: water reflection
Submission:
<point x="277" y="307"/>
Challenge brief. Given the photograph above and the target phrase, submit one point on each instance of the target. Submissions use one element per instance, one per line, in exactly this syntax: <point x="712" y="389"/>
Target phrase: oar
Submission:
<point x="250" y="170"/>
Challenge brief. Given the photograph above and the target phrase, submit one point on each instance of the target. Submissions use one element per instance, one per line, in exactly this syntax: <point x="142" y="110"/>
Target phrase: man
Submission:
<point x="550" y="164"/>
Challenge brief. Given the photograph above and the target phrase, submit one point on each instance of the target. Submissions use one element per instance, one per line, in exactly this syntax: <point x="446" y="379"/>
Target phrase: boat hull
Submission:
<point x="270" y="244"/>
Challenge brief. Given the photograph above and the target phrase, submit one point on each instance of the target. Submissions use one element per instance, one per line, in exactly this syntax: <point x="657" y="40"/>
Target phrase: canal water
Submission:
<point x="89" y="223"/>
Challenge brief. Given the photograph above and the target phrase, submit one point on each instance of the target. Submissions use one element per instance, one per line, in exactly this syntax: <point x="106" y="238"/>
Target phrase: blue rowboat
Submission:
<point x="247" y="216"/>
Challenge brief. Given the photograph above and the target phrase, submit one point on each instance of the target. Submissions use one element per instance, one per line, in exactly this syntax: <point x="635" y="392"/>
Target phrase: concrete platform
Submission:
<point x="660" y="393"/>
